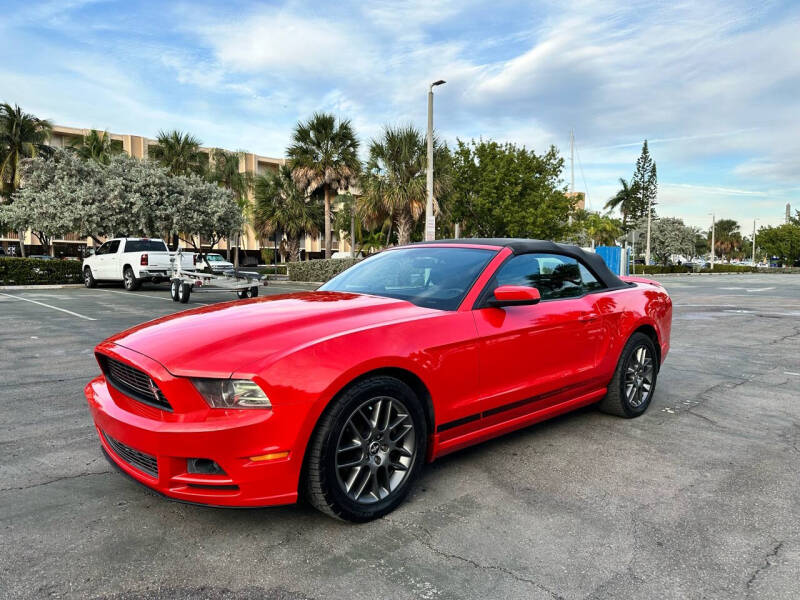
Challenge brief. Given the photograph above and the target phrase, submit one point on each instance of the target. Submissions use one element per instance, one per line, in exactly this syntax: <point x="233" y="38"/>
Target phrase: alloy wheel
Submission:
<point x="376" y="450"/>
<point x="639" y="377"/>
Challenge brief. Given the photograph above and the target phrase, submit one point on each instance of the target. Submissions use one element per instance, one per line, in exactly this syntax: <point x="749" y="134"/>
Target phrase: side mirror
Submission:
<point x="515" y="295"/>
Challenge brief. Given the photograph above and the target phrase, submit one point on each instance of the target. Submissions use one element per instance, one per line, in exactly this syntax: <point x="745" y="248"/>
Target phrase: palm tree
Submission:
<point x="625" y="199"/>
<point x="96" y="146"/>
<point x="281" y="205"/>
<point x="224" y="170"/>
<point x="22" y="135"/>
<point x="394" y="184"/>
<point x="324" y="155"/>
<point x="179" y="153"/>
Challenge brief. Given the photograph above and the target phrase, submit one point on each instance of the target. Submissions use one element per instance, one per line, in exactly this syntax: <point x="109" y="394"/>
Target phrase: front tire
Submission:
<point x="88" y="279"/>
<point x="367" y="450"/>
<point x="634" y="383"/>
<point x="129" y="280"/>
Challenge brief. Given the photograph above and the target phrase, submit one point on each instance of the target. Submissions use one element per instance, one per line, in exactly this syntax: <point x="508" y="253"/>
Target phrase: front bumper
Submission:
<point x="166" y="441"/>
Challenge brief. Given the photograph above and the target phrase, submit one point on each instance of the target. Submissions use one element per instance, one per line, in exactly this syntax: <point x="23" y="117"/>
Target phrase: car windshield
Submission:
<point x="426" y="276"/>
<point x="145" y="246"/>
<point x="214" y="257"/>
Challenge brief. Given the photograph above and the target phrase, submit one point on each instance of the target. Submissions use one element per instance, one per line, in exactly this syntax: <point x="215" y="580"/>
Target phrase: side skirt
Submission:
<point x="441" y="448"/>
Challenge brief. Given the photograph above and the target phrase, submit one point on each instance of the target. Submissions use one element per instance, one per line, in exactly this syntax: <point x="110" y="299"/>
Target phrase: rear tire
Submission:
<point x="184" y="292"/>
<point x="366" y="450"/>
<point x="88" y="279"/>
<point x="129" y="280"/>
<point x="173" y="289"/>
<point x="634" y="383"/>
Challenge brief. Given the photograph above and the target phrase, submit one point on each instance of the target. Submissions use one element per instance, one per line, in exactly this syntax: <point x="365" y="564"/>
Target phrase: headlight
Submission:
<point x="232" y="393"/>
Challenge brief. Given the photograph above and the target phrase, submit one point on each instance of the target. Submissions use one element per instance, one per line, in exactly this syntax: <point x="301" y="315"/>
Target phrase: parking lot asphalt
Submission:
<point x="699" y="498"/>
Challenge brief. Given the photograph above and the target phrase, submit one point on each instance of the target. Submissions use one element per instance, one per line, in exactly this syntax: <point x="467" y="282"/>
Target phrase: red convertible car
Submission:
<point x="343" y="393"/>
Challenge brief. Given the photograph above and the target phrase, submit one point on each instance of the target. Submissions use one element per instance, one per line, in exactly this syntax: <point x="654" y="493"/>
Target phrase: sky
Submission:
<point x="714" y="86"/>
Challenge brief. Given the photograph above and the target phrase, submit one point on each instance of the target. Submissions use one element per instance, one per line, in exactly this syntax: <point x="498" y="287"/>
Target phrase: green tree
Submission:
<point x="224" y="171"/>
<point x="96" y="146"/>
<point x="395" y="179"/>
<point x="645" y="182"/>
<point x="501" y="190"/>
<point x="179" y="153"/>
<point x="204" y="213"/>
<point x="627" y="200"/>
<point x="727" y="238"/>
<point x="281" y="205"/>
<point x="591" y="228"/>
<point x="22" y="135"/>
<point x="782" y="242"/>
<point x="324" y="155"/>
<point x="670" y="236"/>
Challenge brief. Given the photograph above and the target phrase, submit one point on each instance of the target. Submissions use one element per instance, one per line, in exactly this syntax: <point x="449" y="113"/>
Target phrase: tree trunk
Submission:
<point x="294" y="249"/>
<point x="236" y="253"/>
<point x="404" y="226"/>
<point x="353" y="230"/>
<point x="328" y="240"/>
<point x="22" y="244"/>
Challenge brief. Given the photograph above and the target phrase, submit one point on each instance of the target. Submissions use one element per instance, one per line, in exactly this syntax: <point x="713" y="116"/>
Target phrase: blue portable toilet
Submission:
<point x="614" y="259"/>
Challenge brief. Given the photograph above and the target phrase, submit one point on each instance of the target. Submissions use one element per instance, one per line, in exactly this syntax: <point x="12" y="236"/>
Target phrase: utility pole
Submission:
<point x="754" y="242"/>
<point x="430" y="220"/>
<point x="713" y="227"/>
<point x="571" y="169"/>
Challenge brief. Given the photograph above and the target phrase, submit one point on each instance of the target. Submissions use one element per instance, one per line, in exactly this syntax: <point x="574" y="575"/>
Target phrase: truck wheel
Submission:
<point x="88" y="279"/>
<point x="184" y="291"/>
<point x="129" y="280"/>
<point x="173" y="289"/>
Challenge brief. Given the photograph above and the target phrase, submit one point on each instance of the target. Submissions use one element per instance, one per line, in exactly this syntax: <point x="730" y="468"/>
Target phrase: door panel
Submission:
<point x="540" y="352"/>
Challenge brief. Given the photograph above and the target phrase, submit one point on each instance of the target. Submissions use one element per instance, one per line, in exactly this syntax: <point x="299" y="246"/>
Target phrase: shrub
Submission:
<point x="34" y="271"/>
<point x="656" y="269"/>
<point x="267" y="255"/>
<point x="730" y="269"/>
<point x="319" y="270"/>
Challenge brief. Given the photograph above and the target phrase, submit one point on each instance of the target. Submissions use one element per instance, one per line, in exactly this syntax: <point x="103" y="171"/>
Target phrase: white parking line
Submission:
<point x="140" y="295"/>
<point x="64" y="310"/>
<point x="791" y="373"/>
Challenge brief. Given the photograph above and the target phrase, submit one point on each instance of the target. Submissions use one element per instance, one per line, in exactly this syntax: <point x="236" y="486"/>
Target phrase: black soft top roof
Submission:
<point x="525" y="246"/>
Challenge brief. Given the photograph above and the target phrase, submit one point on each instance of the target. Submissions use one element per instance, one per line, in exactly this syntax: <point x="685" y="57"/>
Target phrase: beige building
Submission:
<point x="138" y="147"/>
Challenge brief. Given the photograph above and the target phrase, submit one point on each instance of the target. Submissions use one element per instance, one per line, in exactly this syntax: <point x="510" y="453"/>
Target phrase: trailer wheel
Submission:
<point x="254" y="291"/>
<point x="173" y="289"/>
<point x="242" y="294"/>
<point x="184" y="291"/>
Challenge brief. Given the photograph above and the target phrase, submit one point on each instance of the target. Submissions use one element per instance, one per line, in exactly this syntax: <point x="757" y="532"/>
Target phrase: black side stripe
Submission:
<point x="500" y="409"/>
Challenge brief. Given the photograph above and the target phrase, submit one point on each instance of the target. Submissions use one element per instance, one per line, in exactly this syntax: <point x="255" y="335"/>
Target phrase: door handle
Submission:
<point x="589" y="316"/>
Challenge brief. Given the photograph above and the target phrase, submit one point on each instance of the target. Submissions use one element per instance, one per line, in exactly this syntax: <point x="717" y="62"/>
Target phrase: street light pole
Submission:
<point x="649" y="215"/>
<point x="430" y="220"/>
<point x="754" y="242"/>
<point x="713" y="227"/>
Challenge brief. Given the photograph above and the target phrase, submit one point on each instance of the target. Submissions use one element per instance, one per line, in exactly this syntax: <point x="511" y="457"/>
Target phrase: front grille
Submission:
<point x="134" y="383"/>
<point x="139" y="460"/>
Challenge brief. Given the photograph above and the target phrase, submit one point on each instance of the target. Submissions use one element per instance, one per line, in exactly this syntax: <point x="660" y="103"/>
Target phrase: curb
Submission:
<point x="41" y="287"/>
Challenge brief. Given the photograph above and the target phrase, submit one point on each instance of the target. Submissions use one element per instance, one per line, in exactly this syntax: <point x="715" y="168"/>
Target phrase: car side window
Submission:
<point x="103" y="249"/>
<point x="589" y="281"/>
<point x="113" y="247"/>
<point x="553" y="275"/>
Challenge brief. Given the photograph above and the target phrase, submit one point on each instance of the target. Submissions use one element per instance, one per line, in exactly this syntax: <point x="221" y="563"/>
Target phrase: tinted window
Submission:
<point x="430" y="277"/>
<point x="113" y="246"/>
<point x="145" y="246"/>
<point x="589" y="281"/>
<point x="553" y="275"/>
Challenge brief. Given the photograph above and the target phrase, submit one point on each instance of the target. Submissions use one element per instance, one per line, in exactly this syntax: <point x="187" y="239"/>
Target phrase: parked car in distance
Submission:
<point x="343" y="393"/>
<point x="131" y="261"/>
<point x="217" y="263"/>
<point x="42" y="257"/>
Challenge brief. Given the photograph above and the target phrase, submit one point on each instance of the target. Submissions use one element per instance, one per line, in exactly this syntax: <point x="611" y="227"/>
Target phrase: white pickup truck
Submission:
<point x="132" y="261"/>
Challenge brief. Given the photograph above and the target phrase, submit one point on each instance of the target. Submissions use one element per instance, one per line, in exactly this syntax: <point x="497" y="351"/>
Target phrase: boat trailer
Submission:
<point x="183" y="281"/>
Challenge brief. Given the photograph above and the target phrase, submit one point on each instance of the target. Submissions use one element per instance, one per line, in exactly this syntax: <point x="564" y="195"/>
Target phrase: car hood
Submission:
<point x="217" y="340"/>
